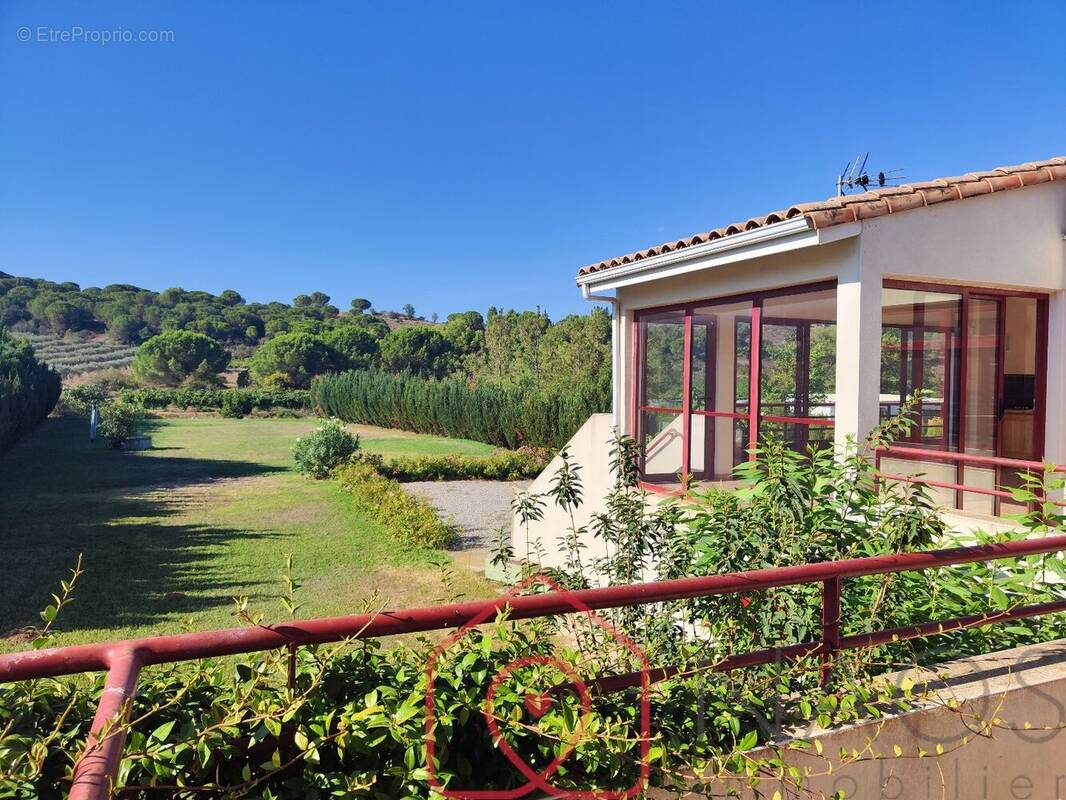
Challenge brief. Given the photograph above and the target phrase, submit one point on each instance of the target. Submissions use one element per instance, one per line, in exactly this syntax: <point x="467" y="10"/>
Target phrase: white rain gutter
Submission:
<point x="616" y="348"/>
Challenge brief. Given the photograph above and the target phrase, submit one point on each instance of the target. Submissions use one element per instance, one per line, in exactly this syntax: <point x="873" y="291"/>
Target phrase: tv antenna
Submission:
<point x="855" y="178"/>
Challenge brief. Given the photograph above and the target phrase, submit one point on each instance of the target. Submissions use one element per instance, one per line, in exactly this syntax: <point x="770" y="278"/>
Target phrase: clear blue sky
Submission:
<point x="460" y="155"/>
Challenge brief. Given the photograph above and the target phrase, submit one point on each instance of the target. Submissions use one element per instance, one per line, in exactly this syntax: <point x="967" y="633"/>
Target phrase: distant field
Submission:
<point x="71" y="356"/>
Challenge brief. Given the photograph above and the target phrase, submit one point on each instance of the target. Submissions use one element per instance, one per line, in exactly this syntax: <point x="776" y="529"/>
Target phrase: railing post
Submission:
<point x="96" y="770"/>
<point x="830" y="626"/>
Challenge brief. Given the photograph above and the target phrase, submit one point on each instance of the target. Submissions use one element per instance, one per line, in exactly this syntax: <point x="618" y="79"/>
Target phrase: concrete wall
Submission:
<point x="1020" y="687"/>
<point x="590" y="449"/>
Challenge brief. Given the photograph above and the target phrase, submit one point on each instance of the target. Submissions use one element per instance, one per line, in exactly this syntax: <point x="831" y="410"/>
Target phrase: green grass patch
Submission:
<point x="170" y="536"/>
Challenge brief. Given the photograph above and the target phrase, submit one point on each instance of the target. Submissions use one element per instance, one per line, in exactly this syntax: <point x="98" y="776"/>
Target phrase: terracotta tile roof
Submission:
<point x="874" y="203"/>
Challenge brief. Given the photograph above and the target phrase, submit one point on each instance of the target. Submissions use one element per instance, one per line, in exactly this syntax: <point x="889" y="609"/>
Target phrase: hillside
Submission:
<point x="72" y="355"/>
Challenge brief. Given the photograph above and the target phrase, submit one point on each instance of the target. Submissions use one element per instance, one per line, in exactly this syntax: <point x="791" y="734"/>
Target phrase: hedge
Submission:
<point x="213" y="399"/>
<point x="502" y="465"/>
<point x="28" y="389"/>
<point x="504" y="417"/>
<point x="404" y="516"/>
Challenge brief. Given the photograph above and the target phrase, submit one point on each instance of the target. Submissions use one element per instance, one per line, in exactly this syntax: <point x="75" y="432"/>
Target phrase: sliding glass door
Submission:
<point x="976" y="354"/>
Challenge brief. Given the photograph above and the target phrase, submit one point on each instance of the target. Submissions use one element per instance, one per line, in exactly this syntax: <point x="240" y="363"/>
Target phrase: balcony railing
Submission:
<point x="960" y="461"/>
<point x="95" y="773"/>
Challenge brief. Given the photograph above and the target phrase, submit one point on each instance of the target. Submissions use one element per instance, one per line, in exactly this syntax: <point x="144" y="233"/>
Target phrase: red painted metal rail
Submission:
<point x="95" y="773"/>
<point x="961" y="461"/>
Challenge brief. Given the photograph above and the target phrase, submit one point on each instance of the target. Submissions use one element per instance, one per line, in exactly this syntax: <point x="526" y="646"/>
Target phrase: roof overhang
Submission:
<point x="779" y="237"/>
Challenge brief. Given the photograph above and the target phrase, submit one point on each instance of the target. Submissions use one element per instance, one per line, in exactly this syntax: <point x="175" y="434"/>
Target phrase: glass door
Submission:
<point x="983" y="364"/>
<point x="661" y="422"/>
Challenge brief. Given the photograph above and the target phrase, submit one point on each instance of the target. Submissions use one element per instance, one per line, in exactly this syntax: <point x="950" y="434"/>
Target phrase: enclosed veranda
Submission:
<point x="717" y="377"/>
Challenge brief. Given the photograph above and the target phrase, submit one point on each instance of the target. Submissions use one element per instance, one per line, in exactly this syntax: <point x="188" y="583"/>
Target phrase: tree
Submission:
<point x="125" y="329"/>
<point x="229" y="297"/>
<point x="359" y="305"/>
<point x="409" y="311"/>
<point x="355" y="344"/>
<point x="319" y="298"/>
<point x="465" y="332"/>
<point x="293" y="359"/>
<point x="417" y="350"/>
<point x="180" y="357"/>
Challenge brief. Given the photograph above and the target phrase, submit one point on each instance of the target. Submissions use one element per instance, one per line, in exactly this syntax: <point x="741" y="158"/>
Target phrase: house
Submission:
<point x="814" y="322"/>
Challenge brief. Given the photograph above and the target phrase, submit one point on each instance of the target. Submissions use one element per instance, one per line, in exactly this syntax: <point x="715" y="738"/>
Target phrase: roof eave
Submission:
<point x="770" y="239"/>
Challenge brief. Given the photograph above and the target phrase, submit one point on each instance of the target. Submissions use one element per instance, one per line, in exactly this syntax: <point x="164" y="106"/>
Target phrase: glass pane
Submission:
<point x="982" y="376"/>
<point x="798" y="366"/>
<point x="1017" y="426"/>
<point x="661" y="438"/>
<point x="743" y="365"/>
<point x="920" y="337"/>
<point x="663" y="339"/>
<point x="719" y="372"/>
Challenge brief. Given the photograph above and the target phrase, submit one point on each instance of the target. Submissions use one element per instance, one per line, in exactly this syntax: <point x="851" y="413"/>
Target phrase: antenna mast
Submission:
<point x="854" y="176"/>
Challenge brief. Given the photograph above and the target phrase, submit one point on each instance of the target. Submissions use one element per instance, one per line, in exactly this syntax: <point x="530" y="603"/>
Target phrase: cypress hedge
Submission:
<point x="502" y="416"/>
<point x="29" y="389"/>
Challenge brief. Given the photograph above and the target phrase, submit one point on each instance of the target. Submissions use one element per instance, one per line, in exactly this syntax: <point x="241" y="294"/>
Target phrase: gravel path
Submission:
<point x="479" y="508"/>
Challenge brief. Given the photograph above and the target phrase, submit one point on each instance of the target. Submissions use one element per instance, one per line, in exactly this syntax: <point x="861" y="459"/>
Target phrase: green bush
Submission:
<point x="505" y="417"/>
<point x="28" y="389"/>
<point x="78" y="400"/>
<point x="117" y="422"/>
<point x="212" y="399"/>
<point x="318" y="453"/>
<point x="407" y="518"/>
<point x="502" y="465"/>
<point x="235" y="404"/>
<point x="180" y="357"/>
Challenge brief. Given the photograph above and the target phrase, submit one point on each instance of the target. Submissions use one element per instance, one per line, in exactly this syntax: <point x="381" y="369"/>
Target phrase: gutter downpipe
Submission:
<point x="616" y="349"/>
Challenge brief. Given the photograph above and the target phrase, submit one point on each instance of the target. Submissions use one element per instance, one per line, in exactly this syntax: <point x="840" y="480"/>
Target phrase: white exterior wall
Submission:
<point x="590" y="450"/>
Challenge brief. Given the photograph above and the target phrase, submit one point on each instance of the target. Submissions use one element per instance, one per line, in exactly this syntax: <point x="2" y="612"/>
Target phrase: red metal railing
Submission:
<point x="961" y="461"/>
<point x="95" y="773"/>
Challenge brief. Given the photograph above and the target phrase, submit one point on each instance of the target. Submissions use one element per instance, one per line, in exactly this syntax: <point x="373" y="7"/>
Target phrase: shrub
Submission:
<point x="235" y="404"/>
<point x="28" y="389"/>
<point x="212" y="399"/>
<point x="117" y="421"/>
<point x="502" y="465"/>
<point x="504" y="417"/>
<point x="78" y="400"/>
<point x="328" y="446"/>
<point x="407" y="518"/>
<point x="180" y="357"/>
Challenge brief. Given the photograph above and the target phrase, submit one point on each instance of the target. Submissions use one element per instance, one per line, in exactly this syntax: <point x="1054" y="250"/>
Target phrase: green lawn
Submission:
<point x="171" y="535"/>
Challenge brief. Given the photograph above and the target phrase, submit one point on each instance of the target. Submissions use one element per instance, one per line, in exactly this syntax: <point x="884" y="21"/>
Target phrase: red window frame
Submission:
<point x="1040" y="385"/>
<point x="753" y="417"/>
